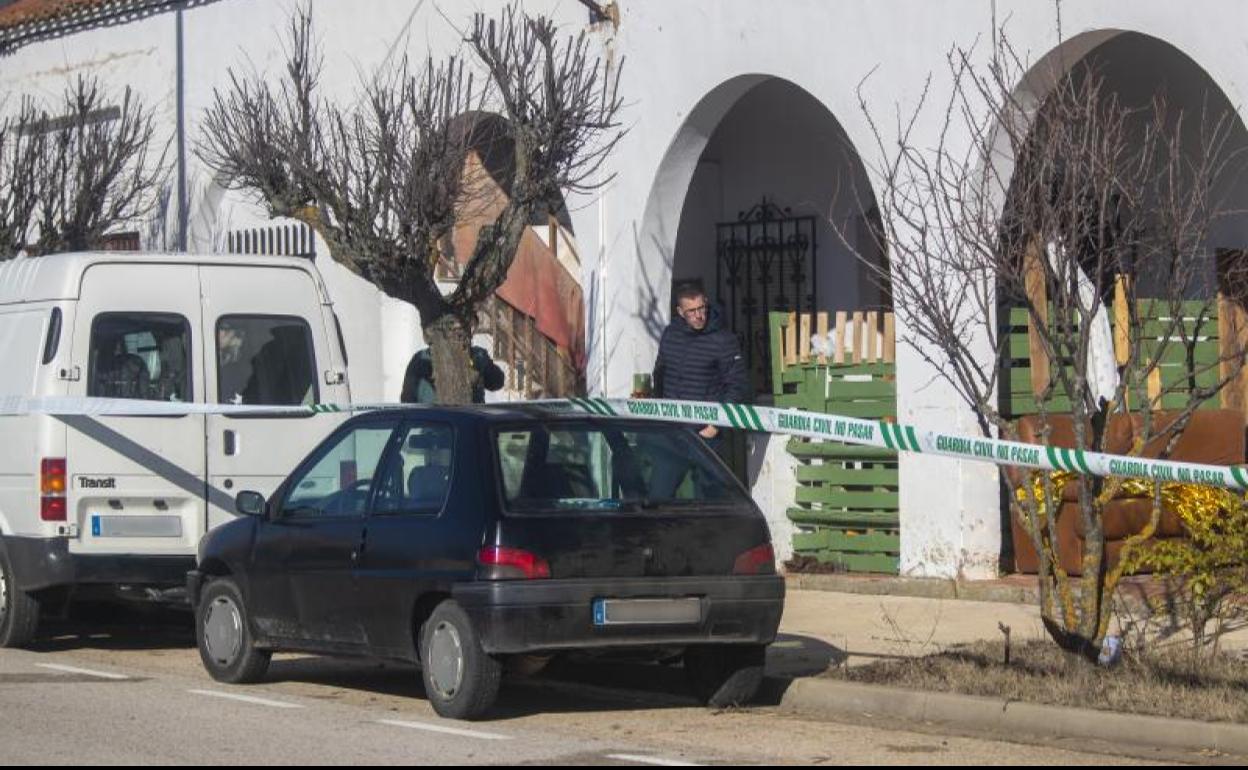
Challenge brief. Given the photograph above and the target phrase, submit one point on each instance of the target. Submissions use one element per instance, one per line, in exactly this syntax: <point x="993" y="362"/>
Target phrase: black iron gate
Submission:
<point x="765" y="261"/>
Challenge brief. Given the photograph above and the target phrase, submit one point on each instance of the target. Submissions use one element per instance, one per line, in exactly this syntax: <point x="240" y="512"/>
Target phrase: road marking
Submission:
<point x="247" y="699"/>
<point x="639" y="758"/>
<point x="84" y="671"/>
<point x="442" y="729"/>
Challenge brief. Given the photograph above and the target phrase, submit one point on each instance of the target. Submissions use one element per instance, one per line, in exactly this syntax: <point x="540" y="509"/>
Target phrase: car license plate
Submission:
<point x="615" y="612"/>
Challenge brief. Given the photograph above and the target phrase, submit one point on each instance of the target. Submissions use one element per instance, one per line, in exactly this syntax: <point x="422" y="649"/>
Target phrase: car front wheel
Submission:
<point x="223" y="632"/>
<point x="723" y="675"/>
<point x="461" y="679"/>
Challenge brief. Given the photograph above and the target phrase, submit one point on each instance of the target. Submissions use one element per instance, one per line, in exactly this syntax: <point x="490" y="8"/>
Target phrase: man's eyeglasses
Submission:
<point x="699" y="310"/>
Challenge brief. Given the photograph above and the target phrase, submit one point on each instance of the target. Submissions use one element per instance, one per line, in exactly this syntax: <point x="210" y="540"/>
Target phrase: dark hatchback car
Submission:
<point x="477" y="540"/>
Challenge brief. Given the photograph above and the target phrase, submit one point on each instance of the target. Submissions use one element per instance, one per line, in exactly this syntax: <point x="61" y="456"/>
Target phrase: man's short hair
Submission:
<point x="689" y="291"/>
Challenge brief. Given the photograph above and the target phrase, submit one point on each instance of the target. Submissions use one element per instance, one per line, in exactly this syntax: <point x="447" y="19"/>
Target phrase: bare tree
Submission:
<point x="73" y="170"/>
<point x="1054" y="205"/>
<point x="385" y="181"/>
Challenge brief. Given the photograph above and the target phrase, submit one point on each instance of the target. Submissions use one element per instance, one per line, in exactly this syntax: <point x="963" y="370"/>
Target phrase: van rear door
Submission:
<point x="269" y="345"/>
<point x="136" y="484"/>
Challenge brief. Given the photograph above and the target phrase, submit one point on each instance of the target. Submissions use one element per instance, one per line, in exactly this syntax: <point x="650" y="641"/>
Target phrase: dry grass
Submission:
<point x="1167" y="683"/>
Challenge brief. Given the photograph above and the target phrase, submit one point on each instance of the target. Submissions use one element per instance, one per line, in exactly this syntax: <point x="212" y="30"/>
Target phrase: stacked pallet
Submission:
<point x="846" y="503"/>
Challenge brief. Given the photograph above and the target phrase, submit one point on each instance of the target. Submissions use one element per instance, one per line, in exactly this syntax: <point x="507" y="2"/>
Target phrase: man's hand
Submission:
<point x="709" y="431"/>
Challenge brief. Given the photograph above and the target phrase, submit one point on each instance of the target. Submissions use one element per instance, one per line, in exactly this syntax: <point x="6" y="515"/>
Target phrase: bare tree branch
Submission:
<point x="387" y="181"/>
<point x="1053" y="205"/>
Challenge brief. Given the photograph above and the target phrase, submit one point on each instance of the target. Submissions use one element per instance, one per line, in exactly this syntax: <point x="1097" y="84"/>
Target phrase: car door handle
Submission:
<point x="230" y="441"/>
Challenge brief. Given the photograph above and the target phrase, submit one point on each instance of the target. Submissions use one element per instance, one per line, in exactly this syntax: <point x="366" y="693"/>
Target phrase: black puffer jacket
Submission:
<point x="700" y="365"/>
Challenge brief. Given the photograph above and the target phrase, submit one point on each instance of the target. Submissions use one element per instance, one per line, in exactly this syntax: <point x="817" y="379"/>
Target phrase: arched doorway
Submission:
<point x="776" y="216"/>
<point x="1161" y="98"/>
<point x="763" y="202"/>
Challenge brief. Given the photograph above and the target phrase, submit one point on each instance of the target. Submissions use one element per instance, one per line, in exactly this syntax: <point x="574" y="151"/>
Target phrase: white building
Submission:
<point x="728" y="102"/>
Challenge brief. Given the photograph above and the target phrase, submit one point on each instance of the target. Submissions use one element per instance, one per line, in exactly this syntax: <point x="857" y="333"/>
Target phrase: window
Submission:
<point x="140" y="355"/>
<point x="265" y="360"/>
<point x="418" y="476"/>
<point x="338" y="482"/>
<point x="600" y="467"/>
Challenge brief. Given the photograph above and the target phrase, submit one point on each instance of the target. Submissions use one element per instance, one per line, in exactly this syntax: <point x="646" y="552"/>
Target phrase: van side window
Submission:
<point x="54" y="336"/>
<point x="140" y="355"/>
<point x="265" y="360"/>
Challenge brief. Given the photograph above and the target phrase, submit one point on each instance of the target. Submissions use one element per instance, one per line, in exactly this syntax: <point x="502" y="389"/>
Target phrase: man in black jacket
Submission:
<point x="419" y="386"/>
<point x="698" y="361"/>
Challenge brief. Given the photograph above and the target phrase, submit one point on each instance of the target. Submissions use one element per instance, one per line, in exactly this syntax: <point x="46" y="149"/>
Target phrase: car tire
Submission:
<point x="461" y="679"/>
<point x="723" y="675"/>
<point x="223" y="633"/>
<point x="19" y="611"/>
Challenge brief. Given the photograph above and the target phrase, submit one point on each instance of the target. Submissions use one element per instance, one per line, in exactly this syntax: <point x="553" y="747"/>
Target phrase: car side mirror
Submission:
<point x="249" y="503"/>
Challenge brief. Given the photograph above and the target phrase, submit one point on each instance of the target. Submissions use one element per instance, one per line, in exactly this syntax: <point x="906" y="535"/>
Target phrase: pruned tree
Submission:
<point x="385" y="181"/>
<point x="1056" y="205"/>
<point x="75" y="169"/>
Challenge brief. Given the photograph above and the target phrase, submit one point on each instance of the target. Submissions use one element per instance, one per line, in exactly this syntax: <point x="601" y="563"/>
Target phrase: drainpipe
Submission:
<point x="609" y="21"/>
<point x="602" y="292"/>
<point x="183" y="214"/>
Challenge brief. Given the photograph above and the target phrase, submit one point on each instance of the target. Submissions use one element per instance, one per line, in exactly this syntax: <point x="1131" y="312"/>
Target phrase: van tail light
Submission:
<point x="53" y="509"/>
<point x="499" y="563"/>
<point x="759" y="560"/>
<point x="52" y="487"/>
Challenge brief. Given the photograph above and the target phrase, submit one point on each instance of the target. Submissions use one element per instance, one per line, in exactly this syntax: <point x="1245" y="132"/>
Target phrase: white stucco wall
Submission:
<point x="687" y="65"/>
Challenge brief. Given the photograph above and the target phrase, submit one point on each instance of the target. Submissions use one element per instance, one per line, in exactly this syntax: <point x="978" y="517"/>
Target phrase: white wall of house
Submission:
<point x="687" y="66"/>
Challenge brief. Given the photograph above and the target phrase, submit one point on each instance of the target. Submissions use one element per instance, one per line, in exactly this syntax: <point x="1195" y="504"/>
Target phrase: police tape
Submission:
<point x="906" y="438"/>
<point x="791" y="422"/>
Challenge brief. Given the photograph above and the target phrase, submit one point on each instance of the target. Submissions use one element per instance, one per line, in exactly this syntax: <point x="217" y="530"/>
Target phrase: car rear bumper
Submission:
<point x="547" y="615"/>
<point x="40" y="563"/>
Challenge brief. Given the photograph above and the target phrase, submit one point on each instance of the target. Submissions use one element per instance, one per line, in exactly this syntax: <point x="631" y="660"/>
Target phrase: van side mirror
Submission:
<point x="249" y="503"/>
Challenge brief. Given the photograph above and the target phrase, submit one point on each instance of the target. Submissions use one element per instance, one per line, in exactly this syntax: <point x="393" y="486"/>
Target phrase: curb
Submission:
<point x="923" y="588"/>
<point x="826" y="698"/>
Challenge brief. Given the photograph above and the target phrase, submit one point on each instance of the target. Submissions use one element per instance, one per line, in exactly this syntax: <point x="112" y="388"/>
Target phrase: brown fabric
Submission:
<point x="537" y="283"/>
<point x="1124" y="517"/>
<point x="1118" y="438"/>
<point x="1214" y="436"/>
<point x="1069" y="545"/>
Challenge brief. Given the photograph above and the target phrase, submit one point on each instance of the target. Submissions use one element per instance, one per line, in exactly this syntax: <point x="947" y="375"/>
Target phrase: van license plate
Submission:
<point x="616" y="612"/>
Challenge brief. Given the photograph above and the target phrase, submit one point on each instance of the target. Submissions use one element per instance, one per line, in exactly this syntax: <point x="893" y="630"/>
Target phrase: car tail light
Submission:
<point x="759" y="560"/>
<point x="52" y="486"/>
<point x="499" y="563"/>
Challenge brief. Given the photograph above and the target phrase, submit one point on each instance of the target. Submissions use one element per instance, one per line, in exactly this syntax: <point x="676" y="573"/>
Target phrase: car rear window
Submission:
<point x="605" y="467"/>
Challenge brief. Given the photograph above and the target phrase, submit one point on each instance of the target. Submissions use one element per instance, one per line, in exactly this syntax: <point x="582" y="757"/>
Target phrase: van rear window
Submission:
<point x="601" y="467"/>
<point x="265" y="360"/>
<point x="140" y="355"/>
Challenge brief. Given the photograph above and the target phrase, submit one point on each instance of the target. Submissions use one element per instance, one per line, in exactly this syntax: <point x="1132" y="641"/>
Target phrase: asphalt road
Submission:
<point x="93" y="693"/>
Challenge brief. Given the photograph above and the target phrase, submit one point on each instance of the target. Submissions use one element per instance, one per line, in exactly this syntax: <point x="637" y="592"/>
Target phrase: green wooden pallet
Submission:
<point x="846" y="508"/>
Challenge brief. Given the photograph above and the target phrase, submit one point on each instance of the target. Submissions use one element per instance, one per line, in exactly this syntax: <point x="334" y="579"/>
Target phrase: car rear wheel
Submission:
<point x="723" y="675"/>
<point x="223" y="632"/>
<point x="19" y="611"/>
<point x="461" y="679"/>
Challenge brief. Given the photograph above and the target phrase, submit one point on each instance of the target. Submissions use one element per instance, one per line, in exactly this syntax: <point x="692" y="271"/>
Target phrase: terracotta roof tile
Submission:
<point x="23" y="12"/>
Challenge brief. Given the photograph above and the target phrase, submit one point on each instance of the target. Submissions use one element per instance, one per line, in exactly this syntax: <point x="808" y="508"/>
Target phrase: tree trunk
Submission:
<point x="449" y="338"/>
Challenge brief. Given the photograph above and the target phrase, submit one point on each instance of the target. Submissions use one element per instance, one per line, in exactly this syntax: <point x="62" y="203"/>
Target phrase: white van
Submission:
<point x="121" y="502"/>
